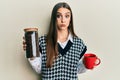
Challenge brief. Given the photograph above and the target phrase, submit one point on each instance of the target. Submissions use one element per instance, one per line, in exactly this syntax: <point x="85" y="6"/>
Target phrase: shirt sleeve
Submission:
<point x="83" y="51"/>
<point x="80" y="67"/>
<point x="36" y="64"/>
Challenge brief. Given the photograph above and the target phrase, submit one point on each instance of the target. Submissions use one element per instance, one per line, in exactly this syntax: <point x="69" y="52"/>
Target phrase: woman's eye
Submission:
<point x="58" y="16"/>
<point x="67" y="16"/>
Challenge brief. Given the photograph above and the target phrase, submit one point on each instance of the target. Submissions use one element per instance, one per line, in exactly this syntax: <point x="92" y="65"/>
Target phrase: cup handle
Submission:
<point x="99" y="61"/>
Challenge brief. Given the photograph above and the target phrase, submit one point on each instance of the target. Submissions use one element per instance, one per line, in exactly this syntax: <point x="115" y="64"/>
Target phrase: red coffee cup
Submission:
<point x="91" y="60"/>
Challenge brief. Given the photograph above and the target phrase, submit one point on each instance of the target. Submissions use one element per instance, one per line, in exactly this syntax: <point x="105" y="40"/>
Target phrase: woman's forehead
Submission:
<point x="63" y="11"/>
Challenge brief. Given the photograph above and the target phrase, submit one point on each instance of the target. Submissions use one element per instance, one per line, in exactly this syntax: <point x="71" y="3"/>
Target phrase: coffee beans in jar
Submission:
<point x="32" y="44"/>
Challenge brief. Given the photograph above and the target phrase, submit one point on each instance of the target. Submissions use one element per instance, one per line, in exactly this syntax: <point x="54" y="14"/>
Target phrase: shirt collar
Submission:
<point x="70" y="37"/>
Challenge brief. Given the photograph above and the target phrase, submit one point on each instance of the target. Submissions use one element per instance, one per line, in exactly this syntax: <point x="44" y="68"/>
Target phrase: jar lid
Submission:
<point x="30" y="29"/>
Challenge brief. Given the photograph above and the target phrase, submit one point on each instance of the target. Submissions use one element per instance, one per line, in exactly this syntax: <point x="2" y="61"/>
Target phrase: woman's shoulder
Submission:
<point x="78" y="39"/>
<point x="42" y="38"/>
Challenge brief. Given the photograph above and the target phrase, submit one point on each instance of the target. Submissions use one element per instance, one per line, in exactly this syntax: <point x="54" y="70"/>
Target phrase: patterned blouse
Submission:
<point x="68" y="64"/>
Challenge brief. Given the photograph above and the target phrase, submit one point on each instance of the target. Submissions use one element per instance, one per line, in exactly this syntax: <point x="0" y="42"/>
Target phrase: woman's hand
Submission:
<point x="24" y="44"/>
<point x="24" y="47"/>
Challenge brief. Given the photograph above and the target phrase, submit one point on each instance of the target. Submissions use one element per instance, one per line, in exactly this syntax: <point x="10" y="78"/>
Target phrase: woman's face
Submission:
<point x="63" y="18"/>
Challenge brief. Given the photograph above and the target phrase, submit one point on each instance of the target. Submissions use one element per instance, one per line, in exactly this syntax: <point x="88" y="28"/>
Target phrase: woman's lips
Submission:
<point x="62" y="25"/>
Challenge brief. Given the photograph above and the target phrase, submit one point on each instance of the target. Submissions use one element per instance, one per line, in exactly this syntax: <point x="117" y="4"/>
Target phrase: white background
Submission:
<point x="97" y="22"/>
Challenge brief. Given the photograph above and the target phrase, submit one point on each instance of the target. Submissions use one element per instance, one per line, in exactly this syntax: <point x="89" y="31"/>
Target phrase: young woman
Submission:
<point x="61" y="49"/>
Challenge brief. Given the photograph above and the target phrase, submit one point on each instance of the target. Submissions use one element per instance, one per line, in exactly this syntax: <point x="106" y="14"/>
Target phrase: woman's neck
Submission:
<point x="62" y="35"/>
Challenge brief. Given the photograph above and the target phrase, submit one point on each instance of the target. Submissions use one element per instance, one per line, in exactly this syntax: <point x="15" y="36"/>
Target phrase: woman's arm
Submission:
<point x="36" y="63"/>
<point x="81" y="68"/>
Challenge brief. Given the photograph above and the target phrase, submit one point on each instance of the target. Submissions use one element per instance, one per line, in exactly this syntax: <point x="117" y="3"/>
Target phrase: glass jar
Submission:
<point x="32" y="44"/>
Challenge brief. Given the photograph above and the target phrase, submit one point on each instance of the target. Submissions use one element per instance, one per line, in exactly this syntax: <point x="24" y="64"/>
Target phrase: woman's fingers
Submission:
<point x="23" y="38"/>
<point x="24" y="44"/>
<point x="24" y="47"/>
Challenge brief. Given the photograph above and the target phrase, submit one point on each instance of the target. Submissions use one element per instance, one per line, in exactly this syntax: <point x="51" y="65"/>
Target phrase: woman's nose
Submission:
<point x="62" y="19"/>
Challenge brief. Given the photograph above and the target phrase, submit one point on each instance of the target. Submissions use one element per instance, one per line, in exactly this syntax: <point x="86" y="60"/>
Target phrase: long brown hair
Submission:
<point x="52" y="48"/>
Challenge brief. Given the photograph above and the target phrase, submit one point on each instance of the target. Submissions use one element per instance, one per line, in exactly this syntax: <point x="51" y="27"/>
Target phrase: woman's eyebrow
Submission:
<point x="61" y="13"/>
